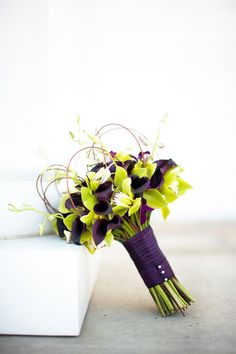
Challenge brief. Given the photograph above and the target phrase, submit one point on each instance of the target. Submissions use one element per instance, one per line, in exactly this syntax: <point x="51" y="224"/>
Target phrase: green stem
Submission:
<point x="180" y="287"/>
<point x="128" y="229"/>
<point x="177" y="293"/>
<point x="165" y="298"/>
<point x="175" y="297"/>
<point x="131" y="224"/>
<point x="155" y="298"/>
<point x="136" y="216"/>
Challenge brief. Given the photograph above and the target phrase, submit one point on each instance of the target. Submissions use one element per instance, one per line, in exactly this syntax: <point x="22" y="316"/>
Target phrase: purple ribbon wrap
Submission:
<point x="148" y="258"/>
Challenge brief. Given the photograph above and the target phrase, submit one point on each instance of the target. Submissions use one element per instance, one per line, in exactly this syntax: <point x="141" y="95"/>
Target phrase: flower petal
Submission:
<point x="157" y="178"/>
<point x="97" y="167"/>
<point x="104" y="191"/>
<point x="77" y="228"/>
<point x="115" y="223"/>
<point x="138" y="185"/>
<point x="165" y="165"/>
<point x="103" y="207"/>
<point x="144" y="210"/>
<point x="102" y="226"/>
<point x="61" y="227"/>
<point x="76" y="197"/>
<point x="99" y="230"/>
<point x="143" y="155"/>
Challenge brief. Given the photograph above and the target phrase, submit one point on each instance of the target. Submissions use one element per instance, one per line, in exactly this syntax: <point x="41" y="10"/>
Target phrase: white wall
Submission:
<point x="127" y="62"/>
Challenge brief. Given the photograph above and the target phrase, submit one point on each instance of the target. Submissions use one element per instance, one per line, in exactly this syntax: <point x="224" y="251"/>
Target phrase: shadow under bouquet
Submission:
<point x="114" y="200"/>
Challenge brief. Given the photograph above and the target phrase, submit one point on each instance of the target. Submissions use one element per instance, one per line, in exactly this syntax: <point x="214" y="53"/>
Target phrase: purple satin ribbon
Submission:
<point x="148" y="258"/>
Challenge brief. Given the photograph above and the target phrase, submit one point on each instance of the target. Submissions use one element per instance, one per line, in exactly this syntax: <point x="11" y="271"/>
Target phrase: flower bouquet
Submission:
<point x="114" y="200"/>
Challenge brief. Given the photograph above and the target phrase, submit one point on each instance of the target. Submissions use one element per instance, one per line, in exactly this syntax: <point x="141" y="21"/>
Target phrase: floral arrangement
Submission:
<point x="114" y="200"/>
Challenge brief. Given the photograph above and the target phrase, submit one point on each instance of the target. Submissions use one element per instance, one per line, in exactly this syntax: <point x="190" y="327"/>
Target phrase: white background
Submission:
<point x="127" y="62"/>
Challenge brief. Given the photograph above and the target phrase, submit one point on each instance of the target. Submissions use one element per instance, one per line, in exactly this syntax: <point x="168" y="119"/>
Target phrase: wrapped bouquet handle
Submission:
<point x="148" y="258"/>
<point x="114" y="200"/>
<point x="156" y="272"/>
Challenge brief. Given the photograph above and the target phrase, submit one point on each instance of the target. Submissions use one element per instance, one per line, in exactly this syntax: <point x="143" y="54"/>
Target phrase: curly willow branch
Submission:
<point x="43" y="191"/>
<point x="121" y="127"/>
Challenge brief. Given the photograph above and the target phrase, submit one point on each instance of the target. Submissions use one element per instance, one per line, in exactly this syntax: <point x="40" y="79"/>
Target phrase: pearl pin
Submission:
<point x="159" y="266"/>
<point x="166" y="279"/>
<point x="162" y="272"/>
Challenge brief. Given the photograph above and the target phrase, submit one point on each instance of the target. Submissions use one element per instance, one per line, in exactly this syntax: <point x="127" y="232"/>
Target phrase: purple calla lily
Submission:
<point x="143" y="155"/>
<point x="103" y="207"/>
<point x="143" y="212"/>
<point x="138" y="185"/>
<point x="104" y="191"/>
<point x="77" y="228"/>
<point x="102" y="226"/>
<point x="112" y="167"/>
<point x="129" y="165"/>
<point x="157" y="178"/>
<point x="113" y="154"/>
<point x="165" y="165"/>
<point x="61" y="227"/>
<point x="76" y="197"/>
<point x="97" y="167"/>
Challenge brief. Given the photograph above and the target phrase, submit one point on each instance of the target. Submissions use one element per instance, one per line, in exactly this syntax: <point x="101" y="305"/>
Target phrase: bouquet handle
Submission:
<point x="157" y="274"/>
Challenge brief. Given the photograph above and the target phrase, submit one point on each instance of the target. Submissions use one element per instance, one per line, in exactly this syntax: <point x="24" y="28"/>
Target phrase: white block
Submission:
<point x="45" y="285"/>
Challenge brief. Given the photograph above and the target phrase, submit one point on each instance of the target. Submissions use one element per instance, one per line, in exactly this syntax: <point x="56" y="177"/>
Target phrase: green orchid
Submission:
<point x="124" y="199"/>
<point x="174" y="186"/>
<point x="88" y="198"/>
<point x="144" y="169"/>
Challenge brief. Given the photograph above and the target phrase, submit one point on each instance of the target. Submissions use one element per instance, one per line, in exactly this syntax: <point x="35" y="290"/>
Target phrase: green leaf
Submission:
<point x="119" y="210"/>
<point x="88" y="199"/>
<point x="183" y="186"/>
<point x="120" y="175"/>
<point x="154" y="199"/>
<point x="88" y="219"/>
<point x="126" y="187"/>
<point x="68" y="221"/>
<point x="135" y="207"/>
<point x="165" y="212"/>
<point x="109" y="238"/>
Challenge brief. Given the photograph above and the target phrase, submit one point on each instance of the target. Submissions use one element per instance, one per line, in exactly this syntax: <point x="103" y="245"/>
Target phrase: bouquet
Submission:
<point x="114" y="200"/>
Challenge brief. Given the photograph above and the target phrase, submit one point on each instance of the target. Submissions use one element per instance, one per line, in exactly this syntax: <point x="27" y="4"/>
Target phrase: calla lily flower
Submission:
<point x="157" y="178"/>
<point x="144" y="210"/>
<point x="165" y="165"/>
<point x="129" y="165"/>
<point x="61" y="227"/>
<point x="76" y="197"/>
<point x="144" y="155"/>
<point x="102" y="226"/>
<point x="138" y="185"/>
<point x="77" y="229"/>
<point x="104" y="191"/>
<point x="103" y="207"/>
<point x="97" y="167"/>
